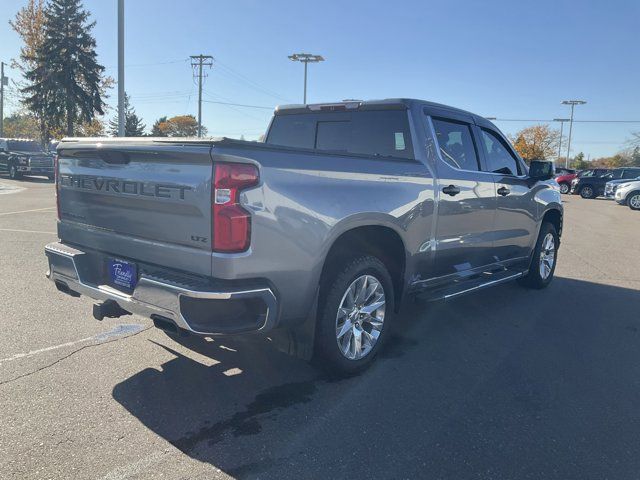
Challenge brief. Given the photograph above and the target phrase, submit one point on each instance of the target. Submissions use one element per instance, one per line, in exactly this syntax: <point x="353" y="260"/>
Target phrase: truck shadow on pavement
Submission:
<point x="509" y="381"/>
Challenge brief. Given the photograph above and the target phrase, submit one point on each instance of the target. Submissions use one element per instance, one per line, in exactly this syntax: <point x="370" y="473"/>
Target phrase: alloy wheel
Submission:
<point x="360" y="317"/>
<point x="547" y="255"/>
<point x="564" y="188"/>
<point x="634" y="201"/>
<point x="586" y="192"/>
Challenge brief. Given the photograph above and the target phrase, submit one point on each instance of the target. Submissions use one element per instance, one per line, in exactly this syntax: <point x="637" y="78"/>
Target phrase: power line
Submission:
<point x="239" y="104"/>
<point x="250" y="82"/>
<point x="243" y="112"/>
<point x="153" y="64"/>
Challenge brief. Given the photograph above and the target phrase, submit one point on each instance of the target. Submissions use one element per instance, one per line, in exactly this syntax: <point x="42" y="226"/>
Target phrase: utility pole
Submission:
<point x="200" y="61"/>
<point x="3" y="81"/>
<point x="121" y="112"/>
<point x="305" y="58"/>
<point x="561" y="120"/>
<point x="573" y="103"/>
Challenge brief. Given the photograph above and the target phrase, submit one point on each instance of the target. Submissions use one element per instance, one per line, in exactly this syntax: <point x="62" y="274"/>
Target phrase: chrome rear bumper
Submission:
<point x="158" y="297"/>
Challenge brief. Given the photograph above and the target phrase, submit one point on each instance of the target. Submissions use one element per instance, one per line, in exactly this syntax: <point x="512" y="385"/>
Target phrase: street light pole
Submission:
<point x="573" y="103"/>
<point x="121" y="112"/>
<point x="305" y="58"/>
<point x="561" y="120"/>
<point x="3" y="79"/>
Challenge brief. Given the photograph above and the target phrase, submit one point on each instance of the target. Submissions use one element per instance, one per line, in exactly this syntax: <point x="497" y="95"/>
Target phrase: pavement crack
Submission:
<point x="70" y="354"/>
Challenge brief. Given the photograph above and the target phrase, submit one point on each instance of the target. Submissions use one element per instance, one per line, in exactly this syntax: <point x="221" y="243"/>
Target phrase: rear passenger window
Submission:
<point x="456" y="144"/>
<point x="499" y="157"/>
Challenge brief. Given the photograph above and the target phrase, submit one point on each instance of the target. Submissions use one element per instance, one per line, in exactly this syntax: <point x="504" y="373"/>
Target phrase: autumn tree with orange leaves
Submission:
<point x="538" y="142"/>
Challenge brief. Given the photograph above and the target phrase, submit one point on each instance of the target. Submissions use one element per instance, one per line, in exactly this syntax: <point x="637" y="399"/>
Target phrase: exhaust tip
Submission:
<point x="167" y="325"/>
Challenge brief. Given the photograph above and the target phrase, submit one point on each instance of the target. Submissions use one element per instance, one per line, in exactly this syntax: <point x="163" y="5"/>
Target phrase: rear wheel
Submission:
<point x="633" y="200"/>
<point x="587" y="192"/>
<point x="353" y="321"/>
<point x="564" y="188"/>
<point x="545" y="254"/>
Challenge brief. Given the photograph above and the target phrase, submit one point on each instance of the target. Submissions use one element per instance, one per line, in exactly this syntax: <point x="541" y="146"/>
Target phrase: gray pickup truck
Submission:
<point x="313" y="237"/>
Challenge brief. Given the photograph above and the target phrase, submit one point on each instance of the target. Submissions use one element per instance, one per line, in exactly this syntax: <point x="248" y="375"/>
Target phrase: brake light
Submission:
<point x="231" y="222"/>
<point x="55" y="176"/>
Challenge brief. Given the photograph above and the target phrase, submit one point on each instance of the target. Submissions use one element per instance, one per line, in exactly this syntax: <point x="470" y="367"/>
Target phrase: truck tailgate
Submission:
<point x="155" y="192"/>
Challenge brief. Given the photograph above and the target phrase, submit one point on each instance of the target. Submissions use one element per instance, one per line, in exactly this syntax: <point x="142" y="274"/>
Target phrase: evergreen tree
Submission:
<point x="133" y="126"/>
<point x="66" y="82"/>
<point x="157" y="130"/>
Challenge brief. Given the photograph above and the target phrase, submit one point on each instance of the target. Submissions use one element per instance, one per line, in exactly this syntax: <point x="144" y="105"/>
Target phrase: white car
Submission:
<point x="629" y="194"/>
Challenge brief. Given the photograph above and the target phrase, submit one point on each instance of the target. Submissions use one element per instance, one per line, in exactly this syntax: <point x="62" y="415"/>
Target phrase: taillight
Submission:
<point x="231" y="222"/>
<point x="55" y="185"/>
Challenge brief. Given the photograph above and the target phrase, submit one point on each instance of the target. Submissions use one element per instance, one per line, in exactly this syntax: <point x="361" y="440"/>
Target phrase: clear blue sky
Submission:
<point x="505" y="59"/>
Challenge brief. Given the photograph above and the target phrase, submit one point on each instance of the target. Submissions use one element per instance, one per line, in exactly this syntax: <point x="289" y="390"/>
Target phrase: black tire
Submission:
<point x="587" y="192"/>
<point x="534" y="278"/>
<point x="633" y="200"/>
<point x="332" y="293"/>
<point x="565" y="188"/>
<point x="14" y="174"/>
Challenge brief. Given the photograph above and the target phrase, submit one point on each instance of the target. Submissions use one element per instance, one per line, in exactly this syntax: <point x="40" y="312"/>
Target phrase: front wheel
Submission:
<point x="545" y="255"/>
<point x="564" y="188"/>
<point x="353" y="320"/>
<point x="587" y="192"/>
<point x="633" y="200"/>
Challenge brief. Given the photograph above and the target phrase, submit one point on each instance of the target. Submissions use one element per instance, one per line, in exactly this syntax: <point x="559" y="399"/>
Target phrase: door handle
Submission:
<point x="504" y="191"/>
<point x="451" y="190"/>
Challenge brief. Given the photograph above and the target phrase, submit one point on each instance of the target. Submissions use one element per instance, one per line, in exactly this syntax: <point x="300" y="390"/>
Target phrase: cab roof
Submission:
<point x="351" y="104"/>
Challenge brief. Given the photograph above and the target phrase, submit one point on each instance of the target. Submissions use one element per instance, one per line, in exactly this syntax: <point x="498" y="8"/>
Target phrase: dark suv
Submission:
<point x="593" y="186"/>
<point x="21" y="156"/>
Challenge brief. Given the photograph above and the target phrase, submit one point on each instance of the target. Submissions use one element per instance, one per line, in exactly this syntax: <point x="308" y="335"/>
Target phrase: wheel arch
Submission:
<point x="554" y="216"/>
<point x="381" y="241"/>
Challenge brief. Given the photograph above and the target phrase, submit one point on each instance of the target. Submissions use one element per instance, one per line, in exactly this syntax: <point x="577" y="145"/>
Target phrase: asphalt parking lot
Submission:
<point x="505" y="383"/>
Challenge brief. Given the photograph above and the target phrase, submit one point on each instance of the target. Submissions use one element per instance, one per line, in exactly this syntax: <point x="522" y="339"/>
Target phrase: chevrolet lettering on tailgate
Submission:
<point x="127" y="187"/>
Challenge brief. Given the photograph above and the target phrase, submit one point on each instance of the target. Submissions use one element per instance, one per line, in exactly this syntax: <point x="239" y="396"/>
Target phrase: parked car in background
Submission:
<point x="565" y="171"/>
<point x="592" y="186"/>
<point x="564" y="181"/>
<point x="314" y="236"/>
<point x="629" y="194"/>
<point x="612" y="185"/>
<point x="22" y="156"/>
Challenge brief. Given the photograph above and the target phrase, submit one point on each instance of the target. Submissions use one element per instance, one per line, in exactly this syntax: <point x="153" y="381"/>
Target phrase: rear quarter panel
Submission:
<point x="305" y="201"/>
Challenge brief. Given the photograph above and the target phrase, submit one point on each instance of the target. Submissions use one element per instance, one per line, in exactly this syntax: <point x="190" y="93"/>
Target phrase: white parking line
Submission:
<point x="42" y="350"/>
<point x="26" y="231"/>
<point x="27" y="211"/>
<point x="116" y="331"/>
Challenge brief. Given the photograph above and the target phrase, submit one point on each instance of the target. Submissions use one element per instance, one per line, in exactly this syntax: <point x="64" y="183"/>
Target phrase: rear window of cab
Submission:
<point x="383" y="133"/>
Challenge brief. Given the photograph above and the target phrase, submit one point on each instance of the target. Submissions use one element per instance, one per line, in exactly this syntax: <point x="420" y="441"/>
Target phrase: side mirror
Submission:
<point x="541" y="170"/>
